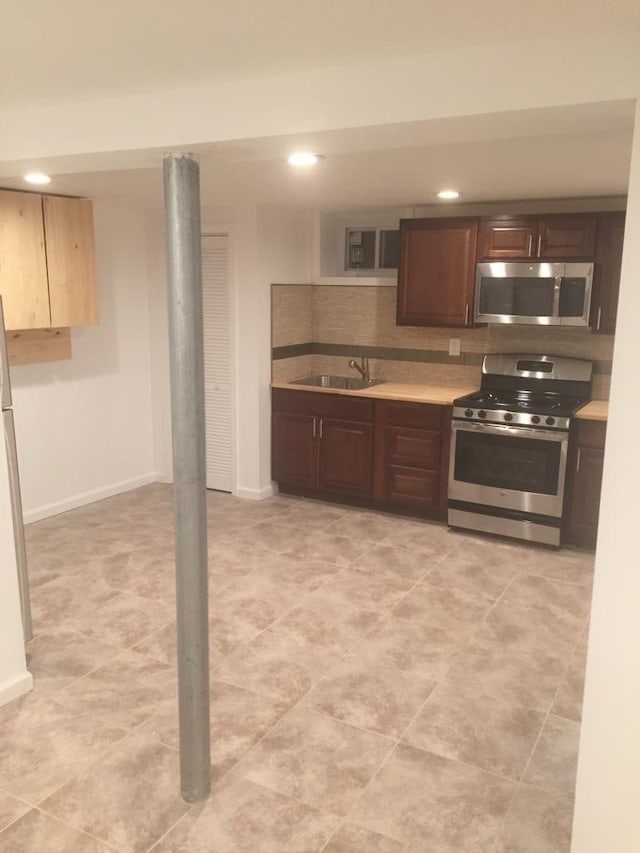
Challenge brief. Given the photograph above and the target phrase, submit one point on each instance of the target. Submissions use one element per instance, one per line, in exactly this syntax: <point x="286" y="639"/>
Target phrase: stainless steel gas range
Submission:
<point x="509" y="445"/>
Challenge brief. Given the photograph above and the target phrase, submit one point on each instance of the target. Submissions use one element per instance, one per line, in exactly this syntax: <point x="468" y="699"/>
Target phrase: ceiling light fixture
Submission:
<point x="37" y="178"/>
<point x="303" y="158"/>
<point x="448" y="194"/>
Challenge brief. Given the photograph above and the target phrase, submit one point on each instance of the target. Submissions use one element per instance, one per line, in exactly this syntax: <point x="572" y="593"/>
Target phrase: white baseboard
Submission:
<point x="254" y="494"/>
<point x="15" y="687"/>
<point x="84" y="498"/>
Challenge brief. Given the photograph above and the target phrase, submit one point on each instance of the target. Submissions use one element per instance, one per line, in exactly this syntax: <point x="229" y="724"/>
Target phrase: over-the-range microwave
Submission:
<point x="541" y="293"/>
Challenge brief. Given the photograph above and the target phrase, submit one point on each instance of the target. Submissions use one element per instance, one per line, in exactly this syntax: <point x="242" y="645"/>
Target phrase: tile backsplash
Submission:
<point x="317" y="328"/>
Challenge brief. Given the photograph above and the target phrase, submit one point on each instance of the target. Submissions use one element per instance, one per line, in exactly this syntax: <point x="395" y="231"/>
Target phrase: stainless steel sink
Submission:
<point x="347" y="382"/>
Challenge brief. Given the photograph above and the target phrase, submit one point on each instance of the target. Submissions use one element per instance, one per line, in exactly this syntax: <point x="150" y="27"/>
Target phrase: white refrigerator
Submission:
<point x="14" y="481"/>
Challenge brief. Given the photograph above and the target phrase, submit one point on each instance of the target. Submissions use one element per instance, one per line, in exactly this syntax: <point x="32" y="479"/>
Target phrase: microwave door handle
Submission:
<point x="556" y="295"/>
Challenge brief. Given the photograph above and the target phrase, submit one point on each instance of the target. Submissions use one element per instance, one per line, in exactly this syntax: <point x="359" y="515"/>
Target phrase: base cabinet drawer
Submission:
<point x="412" y="487"/>
<point x="414" y="447"/>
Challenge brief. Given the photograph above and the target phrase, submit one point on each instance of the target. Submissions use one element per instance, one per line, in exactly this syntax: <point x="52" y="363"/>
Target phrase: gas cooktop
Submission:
<point x="523" y="390"/>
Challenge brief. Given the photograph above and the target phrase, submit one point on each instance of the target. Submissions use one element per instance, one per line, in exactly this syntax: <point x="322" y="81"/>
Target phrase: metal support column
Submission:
<point x="182" y="207"/>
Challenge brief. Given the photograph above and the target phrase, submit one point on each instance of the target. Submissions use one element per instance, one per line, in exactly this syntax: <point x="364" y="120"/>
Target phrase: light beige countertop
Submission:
<point x="408" y="392"/>
<point x="596" y="410"/>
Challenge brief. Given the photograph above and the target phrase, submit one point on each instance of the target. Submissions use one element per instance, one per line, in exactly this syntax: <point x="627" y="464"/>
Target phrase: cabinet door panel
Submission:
<point x="606" y="283"/>
<point x="413" y="486"/>
<point x="417" y="448"/>
<point x="508" y="238"/>
<point x="23" y="266"/>
<point x="295" y="450"/>
<point x="567" y="236"/>
<point x="436" y="271"/>
<point x="345" y="451"/>
<point x="70" y="246"/>
<point x="585" y="503"/>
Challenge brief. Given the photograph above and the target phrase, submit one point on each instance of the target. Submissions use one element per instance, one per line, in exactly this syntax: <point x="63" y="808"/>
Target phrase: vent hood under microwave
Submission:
<point x="545" y="294"/>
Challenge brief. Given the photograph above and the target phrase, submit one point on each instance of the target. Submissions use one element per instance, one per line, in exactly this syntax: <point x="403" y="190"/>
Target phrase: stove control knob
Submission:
<point x="550" y="421"/>
<point x="468" y="413"/>
<point x="482" y="413"/>
<point x="535" y="419"/>
<point x="508" y="416"/>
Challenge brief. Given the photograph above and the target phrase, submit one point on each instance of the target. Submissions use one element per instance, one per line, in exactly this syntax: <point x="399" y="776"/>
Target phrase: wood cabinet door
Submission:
<point x="585" y="500"/>
<point x="567" y="236"/>
<point x="295" y="449"/>
<point x="345" y="449"/>
<point x="606" y="281"/>
<point x="508" y="238"/>
<point x="23" y="265"/>
<point x="436" y="272"/>
<point x="70" y="245"/>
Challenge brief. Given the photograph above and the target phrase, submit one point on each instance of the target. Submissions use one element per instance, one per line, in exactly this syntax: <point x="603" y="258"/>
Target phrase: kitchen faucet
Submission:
<point x="362" y="368"/>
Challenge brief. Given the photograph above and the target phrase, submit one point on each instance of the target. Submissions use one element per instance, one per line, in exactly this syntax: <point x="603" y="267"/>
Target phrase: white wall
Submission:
<point x="84" y="426"/>
<point x="267" y="244"/>
<point x="14" y="678"/>
<point x="607" y="813"/>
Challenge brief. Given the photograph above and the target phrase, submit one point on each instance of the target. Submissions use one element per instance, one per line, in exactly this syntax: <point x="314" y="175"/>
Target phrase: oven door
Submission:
<point x="508" y="467"/>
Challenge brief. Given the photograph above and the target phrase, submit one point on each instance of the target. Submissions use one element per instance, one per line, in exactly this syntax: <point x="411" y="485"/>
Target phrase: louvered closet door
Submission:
<point x="217" y="360"/>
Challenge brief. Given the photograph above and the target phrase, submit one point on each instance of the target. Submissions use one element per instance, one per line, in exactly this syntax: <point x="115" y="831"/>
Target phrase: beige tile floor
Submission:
<point x="377" y="684"/>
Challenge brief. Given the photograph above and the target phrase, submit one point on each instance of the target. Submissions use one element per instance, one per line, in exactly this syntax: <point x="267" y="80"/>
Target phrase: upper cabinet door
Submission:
<point x="436" y="272"/>
<point x="567" y="236"/>
<point x="70" y="245"/>
<point x="508" y="238"/>
<point x="23" y="267"/>
<point x="606" y="281"/>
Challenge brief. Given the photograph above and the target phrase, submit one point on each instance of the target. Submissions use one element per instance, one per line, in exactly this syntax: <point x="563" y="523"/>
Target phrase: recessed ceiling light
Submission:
<point x="37" y="178"/>
<point x="303" y="158"/>
<point x="448" y="194"/>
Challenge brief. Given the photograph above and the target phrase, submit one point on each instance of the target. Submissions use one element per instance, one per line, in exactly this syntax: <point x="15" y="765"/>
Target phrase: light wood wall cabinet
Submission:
<point x="47" y="261"/>
<point x="23" y="264"/>
<point x="71" y="254"/>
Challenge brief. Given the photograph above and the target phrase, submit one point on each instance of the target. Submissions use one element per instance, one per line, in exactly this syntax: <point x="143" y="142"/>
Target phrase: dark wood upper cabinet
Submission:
<point x="436" y="272"/>
<point x="556" y="236"/>
<point x="606" y="279"/>
<point x="508" y="238"/>
<point x="567" y="236"/>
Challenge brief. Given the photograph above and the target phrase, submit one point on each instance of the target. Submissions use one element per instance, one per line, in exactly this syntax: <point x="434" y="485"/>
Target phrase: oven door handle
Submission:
<point x="515" y="431"/>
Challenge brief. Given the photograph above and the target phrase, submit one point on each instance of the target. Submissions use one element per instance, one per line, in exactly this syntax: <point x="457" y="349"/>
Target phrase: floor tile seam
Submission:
<point x="242" y="778"/>
<point x="119" y="653"/>
<point x="113" y="645"/>
<point x="76" y="828"/>
<point x="28" y="807"/>
<point x="562" y="680"/>
<point x="573" y="584"/>
<point x="302" y="696"/>
<point x="172" y="827"/>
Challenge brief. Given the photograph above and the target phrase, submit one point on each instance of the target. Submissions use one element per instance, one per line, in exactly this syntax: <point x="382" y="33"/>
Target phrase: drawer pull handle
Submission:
<point x="599" y="319"/>
<point x="578" y="459"/>
<point x="530" y="245"/>
<point x="315" y="420"/>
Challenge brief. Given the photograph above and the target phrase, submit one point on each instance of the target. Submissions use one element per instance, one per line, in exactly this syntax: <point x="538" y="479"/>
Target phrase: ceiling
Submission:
<point x="569" y="152"/>
<point x="77" y="50"/>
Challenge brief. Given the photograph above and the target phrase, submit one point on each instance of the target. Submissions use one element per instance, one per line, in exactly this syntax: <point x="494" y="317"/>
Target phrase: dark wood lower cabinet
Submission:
<point x="586" y="463"/>
<point x="322" y="443"/>
<point x="387" y="454"/>
<point x="294" y="449"/>
<point x="345" y="455"/>
<point x="412" y="455"/>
